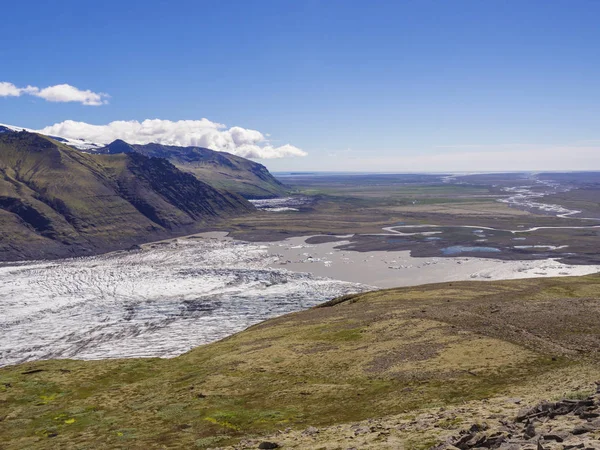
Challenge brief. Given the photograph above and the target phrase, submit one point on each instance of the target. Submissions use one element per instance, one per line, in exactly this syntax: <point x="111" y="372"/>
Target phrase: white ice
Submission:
<point x="160" y="301"/>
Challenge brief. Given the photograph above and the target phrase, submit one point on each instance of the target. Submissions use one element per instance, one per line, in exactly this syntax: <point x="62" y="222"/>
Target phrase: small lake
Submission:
<point x="457" y="249"/>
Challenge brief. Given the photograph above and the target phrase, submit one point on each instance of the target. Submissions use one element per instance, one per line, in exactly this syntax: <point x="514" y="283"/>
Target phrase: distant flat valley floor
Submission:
<point x="514" y="216"/>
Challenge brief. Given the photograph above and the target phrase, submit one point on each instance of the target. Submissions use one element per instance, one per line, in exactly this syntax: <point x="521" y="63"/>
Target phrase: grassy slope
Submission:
<point x="371" y="355"/>
<point x="219" y="169"/>
<point x="56" y="201"/>
<point x="250" y="182"/>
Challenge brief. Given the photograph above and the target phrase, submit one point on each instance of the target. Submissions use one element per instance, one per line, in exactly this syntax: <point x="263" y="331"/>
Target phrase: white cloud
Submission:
<point x="9" y="90"/>
<point x="198" y="133"/>
<point x="59" y="93"/>
<point x="68" y="93"/>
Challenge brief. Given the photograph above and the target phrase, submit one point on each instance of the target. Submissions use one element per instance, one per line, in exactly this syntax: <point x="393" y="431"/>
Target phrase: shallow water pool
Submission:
<point x="457" y="249"/>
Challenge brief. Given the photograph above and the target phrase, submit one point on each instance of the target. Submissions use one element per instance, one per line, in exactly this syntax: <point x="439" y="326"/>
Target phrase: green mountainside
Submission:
<point x="465" y="350"/>
<point x="219" y="169"/>
<point x="56" y="201"/>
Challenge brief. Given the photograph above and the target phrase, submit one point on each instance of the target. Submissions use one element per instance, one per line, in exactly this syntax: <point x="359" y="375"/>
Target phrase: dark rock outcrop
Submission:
<point x="572" y="423"/>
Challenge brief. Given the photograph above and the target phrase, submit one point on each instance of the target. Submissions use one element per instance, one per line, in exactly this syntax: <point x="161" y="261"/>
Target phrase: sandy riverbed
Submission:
<point x="386" y="269"/>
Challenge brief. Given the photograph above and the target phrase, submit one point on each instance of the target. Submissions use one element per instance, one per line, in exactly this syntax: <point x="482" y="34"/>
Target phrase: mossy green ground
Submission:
<point x="372" y="355"/>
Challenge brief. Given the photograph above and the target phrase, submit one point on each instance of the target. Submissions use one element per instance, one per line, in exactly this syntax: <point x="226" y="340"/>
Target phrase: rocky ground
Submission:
<point x="497" y="424"/>
<point x="566" y="424"/>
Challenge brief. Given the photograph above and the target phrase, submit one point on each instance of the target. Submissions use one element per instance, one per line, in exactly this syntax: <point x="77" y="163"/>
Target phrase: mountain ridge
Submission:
<point x="221" y="170"/>
<point x="56" y="201"/>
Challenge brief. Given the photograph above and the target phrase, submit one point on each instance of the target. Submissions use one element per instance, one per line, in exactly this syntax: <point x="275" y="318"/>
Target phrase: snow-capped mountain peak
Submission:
<point x="80" y="144"/>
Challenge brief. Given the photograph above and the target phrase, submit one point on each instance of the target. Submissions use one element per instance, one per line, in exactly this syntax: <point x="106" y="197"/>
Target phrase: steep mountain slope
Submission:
<point x="56" y="201"/>
<point x="416" y="364"/>
<point x="219" y="169"/>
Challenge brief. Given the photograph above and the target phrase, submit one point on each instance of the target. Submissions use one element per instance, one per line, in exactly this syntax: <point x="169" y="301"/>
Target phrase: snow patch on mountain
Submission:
<point x="80" y="144"/>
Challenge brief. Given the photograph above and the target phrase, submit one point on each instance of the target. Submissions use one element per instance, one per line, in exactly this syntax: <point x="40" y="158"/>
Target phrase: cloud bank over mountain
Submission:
<point x="199" y="133"/>
<point x="62" y="93"/>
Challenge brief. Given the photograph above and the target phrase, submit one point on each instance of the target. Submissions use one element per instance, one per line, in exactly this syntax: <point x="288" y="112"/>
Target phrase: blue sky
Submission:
<point x="378" y="86"/>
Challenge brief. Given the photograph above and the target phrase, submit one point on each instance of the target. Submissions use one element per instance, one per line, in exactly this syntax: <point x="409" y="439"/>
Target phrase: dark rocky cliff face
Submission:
<point x="56" y="201"/>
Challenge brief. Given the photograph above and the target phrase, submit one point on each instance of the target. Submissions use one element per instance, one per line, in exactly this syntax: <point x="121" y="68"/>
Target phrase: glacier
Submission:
<point x="159" y="301"/>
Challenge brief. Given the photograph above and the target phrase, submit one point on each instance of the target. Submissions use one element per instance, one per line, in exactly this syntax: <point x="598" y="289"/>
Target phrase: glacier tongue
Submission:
<point x="161" y="301"/>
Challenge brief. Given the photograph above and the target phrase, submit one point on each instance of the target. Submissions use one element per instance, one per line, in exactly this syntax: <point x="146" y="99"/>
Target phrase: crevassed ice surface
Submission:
<point x="160" y="301"/>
